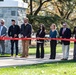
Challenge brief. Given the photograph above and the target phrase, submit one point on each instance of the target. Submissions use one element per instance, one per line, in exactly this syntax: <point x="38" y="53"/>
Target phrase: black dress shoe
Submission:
<point x="37" y="57"/>
<point x="64" y="59"/>
<point x="51" y="58"/>
<point x="42" y="57"/>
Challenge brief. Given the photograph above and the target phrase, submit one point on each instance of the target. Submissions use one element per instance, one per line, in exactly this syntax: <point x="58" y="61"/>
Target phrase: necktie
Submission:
<point x="63" y="30"/>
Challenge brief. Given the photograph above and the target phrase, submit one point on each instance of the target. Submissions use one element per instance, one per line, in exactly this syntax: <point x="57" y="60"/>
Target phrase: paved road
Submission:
<point x="12" y="61"/>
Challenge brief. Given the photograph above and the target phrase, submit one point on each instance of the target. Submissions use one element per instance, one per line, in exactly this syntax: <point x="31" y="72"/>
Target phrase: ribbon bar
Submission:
<point x="64" y="39"/>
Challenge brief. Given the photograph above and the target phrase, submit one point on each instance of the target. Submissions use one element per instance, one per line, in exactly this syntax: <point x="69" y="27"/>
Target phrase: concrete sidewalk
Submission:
<point x="12" y="61"/>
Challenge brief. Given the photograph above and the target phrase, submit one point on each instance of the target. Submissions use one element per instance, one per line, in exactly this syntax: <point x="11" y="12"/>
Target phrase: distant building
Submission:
<point x="12" y="9"/>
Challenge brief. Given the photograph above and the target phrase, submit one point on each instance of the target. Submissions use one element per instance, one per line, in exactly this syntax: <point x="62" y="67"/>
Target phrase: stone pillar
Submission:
<point x="12" y="13"/>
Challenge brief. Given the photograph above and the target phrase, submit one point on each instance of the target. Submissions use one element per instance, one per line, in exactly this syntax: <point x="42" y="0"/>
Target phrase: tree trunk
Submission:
<point x="31" y="7"/>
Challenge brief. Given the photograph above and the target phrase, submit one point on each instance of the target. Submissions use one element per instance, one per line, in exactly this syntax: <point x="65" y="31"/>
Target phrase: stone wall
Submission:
<point x="12" y="13"/>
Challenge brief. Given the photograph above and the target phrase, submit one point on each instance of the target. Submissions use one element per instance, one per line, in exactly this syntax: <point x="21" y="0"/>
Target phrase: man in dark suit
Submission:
<point x="26" y="30"/>
<point x="3" y="33"/>
<point x="65" y="33"/>
<point x="13" y="32"/>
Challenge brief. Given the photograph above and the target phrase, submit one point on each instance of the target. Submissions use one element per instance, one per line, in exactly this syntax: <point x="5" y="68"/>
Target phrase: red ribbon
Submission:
<point x="64" y="39"/>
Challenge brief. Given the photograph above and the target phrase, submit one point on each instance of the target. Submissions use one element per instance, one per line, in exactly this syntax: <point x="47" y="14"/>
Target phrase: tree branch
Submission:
<point x="67" y="17"/>
<point x="41" y="3"/>
<point x="60" y="11"/>
<point x="73" y="19"/>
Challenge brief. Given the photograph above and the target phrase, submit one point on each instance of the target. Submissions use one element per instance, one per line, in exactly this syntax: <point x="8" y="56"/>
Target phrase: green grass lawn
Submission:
<point x="32" y="51"/>
<point x="58" y="68"/>
<point x="47" y="49"/>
